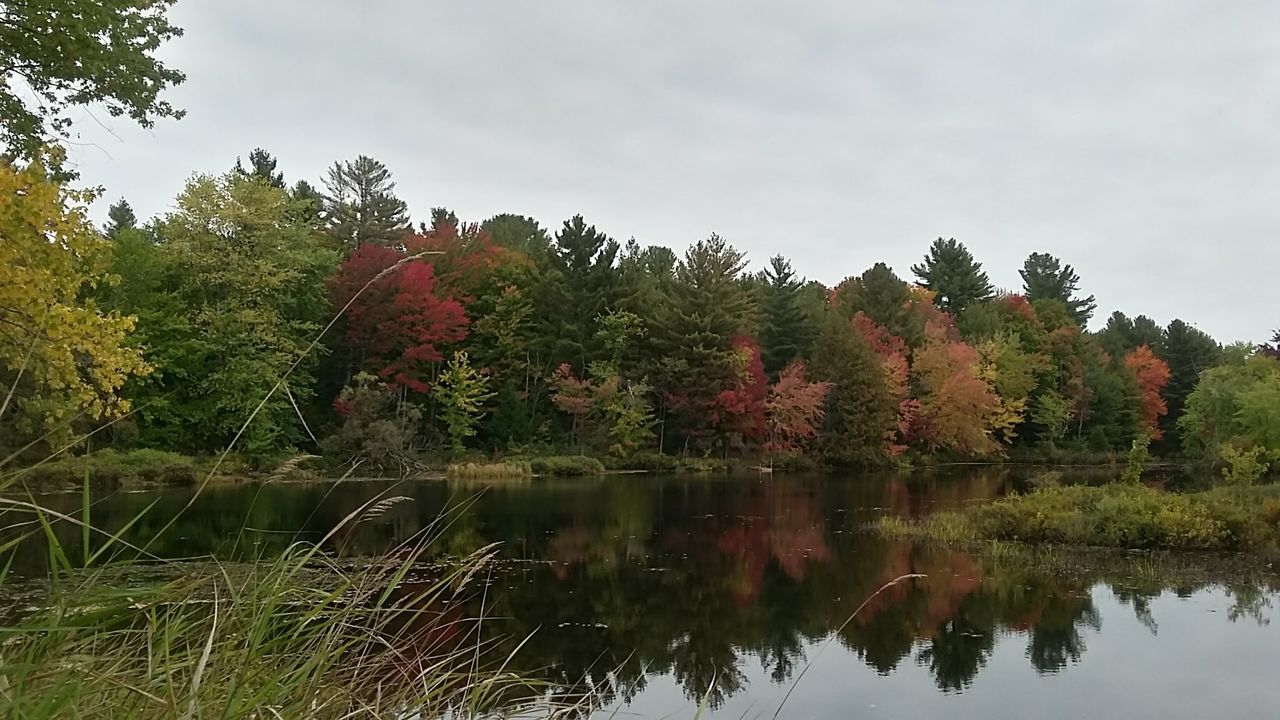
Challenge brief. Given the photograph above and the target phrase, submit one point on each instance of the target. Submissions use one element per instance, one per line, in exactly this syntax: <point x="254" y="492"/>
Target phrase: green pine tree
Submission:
<point x="1044" y="277"/>
<point x="361" y="206"/>
<point x="120" y="217"/>
<point x="950" y="271"/>
<point x="860" y="413"/>
<point x="788" y="330"/>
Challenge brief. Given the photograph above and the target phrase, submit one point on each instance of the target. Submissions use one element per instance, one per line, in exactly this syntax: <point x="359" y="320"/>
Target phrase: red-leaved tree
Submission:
<point x="740" y="407"/>
<point x="793" y="409"/>
<point x="892" y="351"/>
<point x="399" y="325"/>
<point x="1152" y="374"/>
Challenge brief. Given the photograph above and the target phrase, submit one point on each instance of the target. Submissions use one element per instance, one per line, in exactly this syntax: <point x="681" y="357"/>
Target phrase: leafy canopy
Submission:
<point x="57" y="55"/>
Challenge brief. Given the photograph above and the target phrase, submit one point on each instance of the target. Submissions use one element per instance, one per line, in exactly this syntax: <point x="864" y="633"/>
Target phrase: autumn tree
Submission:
<point x="61" y="354"/>
<point x="399" y="321"/>
<point x="361" y="206"/>
<point x="1152" y="374"/>
<point x="794" y="410"/>
<point x="574" y="396"/>
<point x="57" y="56"/>
<point x="1045" y="277"/>
<point x="461" y="392"/>
<point x="738" y="409"/>
<point x="956" y="405"/>
<point x="956" y="279"/>
<point x="892" y="352"/>
<point x="1012" y="373"/>
<point x="885" y="298"/>
<point x="860" y="413"/>
<point x="787" y="331"/>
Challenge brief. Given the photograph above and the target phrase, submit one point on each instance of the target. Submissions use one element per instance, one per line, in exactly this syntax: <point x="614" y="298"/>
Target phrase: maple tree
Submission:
<point x="61" y="354"/>
<point x="739" y="409"/>
<point x="956" y="404"/>
<point x="794" y="410"/>
<point x="400" y="324"/>
<point x="1152" y="375"/>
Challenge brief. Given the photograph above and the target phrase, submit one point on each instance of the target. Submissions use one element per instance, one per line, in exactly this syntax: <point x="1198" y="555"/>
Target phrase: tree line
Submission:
<point x="215" y="323"/>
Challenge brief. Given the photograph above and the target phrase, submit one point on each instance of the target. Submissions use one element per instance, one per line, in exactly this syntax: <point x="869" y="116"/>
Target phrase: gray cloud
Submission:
<point x="1137" y="140"/>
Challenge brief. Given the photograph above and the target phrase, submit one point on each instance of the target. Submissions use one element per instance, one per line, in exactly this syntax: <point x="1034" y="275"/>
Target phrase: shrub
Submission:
<point x="705" y="465"/>
<point x="1242" y="467"/>
<point x="111" y="467"/>
<point x="486" y="471"/>
<point x="566" y="465"/>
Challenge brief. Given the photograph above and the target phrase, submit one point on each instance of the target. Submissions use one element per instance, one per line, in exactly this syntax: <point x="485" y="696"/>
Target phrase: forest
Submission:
<point x="279" y="316"/>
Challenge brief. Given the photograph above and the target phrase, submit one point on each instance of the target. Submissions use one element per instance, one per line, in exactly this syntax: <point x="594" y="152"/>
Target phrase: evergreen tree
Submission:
<point x="1044" y="277"/>
<point x="1122" y="334"/>
<point x="1188" y="352"/>
<point x="519" y="233"/>
<point x="581" y="285"/>
<point x="956" y="279"/>
<point x="861" y="416"/>
<point x="309" y="204"/>
<point x="361" y="206"/>
<point x="120" y="217"/>
<point x="262" y="165"/>
<point x="707" y="310"/>
<point x="885" y="298"/>
<point x="788" y="331"/>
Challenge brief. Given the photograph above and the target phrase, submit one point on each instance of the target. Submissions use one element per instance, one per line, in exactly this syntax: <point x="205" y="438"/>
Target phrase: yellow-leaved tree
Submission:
<point x="61" y="357"/>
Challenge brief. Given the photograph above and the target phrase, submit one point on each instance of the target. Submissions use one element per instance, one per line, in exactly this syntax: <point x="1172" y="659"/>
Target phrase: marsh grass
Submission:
<point x="510" y="470"/>
<point x="299" y="635"/>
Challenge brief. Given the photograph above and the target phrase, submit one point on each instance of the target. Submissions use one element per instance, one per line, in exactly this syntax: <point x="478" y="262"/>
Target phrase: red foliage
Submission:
<point x="1152" y="374"/>
<point x="892" y="351"/>
<point x="399" y="324"/>
<point x="740" y="407"/>
<point x="1018" y="305"/>
<point x="793" y="409"/>
<point x="469" y="255"/>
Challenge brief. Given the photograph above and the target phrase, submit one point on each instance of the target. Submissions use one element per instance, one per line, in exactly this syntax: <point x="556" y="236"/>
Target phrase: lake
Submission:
<point x="652" y="594"/>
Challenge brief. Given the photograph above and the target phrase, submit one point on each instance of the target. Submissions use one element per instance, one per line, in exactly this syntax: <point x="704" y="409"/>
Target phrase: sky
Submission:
<point x="1138" y="141"/>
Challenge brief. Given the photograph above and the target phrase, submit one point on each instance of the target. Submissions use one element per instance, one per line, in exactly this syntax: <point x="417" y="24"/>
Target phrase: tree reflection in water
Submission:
<point x="618" y="579"/>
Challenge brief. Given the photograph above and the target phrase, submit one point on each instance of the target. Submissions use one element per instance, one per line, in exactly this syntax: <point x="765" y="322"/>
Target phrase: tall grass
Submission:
<point x="299" y="635"/>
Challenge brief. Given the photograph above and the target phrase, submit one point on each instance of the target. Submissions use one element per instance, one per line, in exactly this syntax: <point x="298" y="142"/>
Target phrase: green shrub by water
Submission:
<point x="566" y="465"/>
<point x="489" y="471"/>
<point x="112" y="466"/>
<point x="1119" y="516"/>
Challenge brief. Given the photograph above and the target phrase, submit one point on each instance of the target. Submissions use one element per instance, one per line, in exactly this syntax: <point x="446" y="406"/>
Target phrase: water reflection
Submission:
<point x="618" y="581"/>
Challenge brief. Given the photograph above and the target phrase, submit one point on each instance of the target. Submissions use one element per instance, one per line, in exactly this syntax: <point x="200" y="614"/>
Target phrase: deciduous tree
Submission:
<point x="60" y="353"/>
<point x="1152" y="375"/>
<point x="58" y="55"/>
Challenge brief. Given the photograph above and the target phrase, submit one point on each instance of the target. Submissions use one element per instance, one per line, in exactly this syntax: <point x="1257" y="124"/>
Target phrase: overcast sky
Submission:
<point x="1138" y="141"/>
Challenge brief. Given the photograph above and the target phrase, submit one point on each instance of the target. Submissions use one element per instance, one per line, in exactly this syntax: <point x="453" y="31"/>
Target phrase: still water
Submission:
<point x="654" y="594"/>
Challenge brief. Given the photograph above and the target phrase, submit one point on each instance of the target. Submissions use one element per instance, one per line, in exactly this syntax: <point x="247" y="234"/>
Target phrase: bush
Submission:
<point x="565" y="465"/>
<point x="646" y="461"/>
<point x="111" y="467"/>
<point x="702" y="466"/>
<point x="489" y="471"/>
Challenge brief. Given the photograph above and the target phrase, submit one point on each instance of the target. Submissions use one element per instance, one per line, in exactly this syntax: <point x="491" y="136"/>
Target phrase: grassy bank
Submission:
<point x="297" y="636"/>
<point x="1245" y="519"/>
